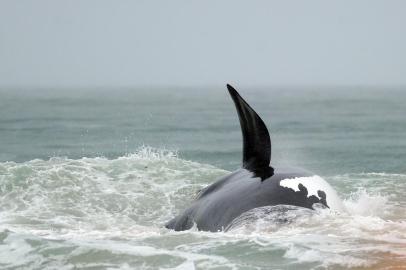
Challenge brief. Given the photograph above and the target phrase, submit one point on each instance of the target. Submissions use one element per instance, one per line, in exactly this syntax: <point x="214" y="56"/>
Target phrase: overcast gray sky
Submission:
<point x="130" y="43"/>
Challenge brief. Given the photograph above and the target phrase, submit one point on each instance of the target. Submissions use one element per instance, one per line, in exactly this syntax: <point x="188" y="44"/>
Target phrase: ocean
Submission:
<point x="88" y="177"/>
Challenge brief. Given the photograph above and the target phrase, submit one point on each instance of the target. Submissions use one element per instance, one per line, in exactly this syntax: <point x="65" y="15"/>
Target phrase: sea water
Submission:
<point x="88" y="178"/>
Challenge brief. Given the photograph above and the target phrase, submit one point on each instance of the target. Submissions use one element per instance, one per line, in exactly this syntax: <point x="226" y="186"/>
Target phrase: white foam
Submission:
<point x="365" y="204"/>
<point x="109" y="213"/>
<point x="328" y="259"/>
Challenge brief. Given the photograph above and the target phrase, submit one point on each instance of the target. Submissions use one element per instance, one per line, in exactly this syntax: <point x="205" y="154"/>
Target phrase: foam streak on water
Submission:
<point x="99" y="213"/>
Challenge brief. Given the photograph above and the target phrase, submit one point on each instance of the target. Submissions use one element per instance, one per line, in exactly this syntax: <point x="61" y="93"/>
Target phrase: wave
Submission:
<point x="109" y="213"/>
<point x="145" y="188"/>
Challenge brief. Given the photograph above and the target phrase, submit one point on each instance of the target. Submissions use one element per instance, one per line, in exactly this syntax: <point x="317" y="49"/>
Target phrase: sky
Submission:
<point x="197" y="43"/>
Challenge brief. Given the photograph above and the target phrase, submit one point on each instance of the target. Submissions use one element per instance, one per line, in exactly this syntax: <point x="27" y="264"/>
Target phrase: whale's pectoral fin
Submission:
<point x="256" y="140"/>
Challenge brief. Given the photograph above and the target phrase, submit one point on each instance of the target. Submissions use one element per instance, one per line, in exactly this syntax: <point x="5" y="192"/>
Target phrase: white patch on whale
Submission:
<point x="313" y="184"/>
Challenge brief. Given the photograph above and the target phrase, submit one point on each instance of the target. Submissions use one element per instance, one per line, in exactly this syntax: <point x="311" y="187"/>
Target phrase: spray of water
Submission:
<point x="109" y="213"/>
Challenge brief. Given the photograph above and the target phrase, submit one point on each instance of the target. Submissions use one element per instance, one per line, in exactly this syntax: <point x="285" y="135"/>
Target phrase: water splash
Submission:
<point x="104" y="213"/>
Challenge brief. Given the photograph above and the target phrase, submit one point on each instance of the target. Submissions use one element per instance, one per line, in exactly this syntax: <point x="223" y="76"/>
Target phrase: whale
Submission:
<point x="257" y="184"/>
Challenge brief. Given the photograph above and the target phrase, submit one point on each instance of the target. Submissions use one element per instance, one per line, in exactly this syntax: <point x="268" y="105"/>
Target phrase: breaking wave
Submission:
<point x="104" y="213"/>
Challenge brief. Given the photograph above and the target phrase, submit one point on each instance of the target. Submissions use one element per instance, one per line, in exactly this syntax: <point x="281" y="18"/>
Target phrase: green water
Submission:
<point x="327" y="131"/>
<point x="88" y="177"/>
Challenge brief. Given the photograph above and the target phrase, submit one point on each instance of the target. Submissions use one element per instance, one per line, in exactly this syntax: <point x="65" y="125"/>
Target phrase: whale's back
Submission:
<point x="220" y="203"/>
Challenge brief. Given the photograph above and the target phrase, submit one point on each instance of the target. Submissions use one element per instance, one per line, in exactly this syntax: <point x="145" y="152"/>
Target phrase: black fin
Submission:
<point x="256" y="140"/>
